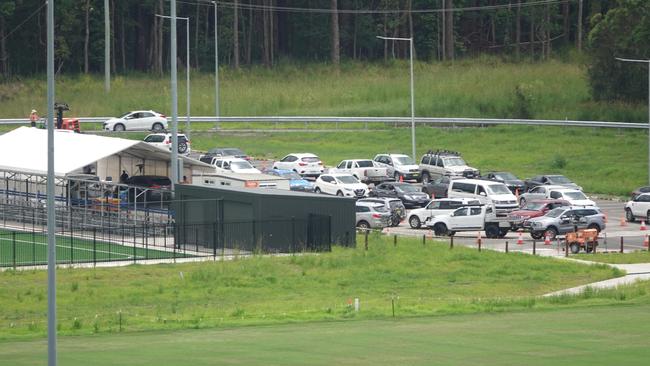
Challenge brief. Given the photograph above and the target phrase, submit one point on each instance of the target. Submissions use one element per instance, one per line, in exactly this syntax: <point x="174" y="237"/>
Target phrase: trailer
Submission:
<point x="240" y="180"/>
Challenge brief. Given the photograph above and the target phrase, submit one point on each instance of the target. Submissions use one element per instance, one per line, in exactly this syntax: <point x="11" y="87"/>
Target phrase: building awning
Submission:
<point x="25" y="150"/>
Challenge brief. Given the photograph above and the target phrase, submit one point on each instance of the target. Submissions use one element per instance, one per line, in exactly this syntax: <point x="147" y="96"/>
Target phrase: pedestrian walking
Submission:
<point x="33" y="118"/>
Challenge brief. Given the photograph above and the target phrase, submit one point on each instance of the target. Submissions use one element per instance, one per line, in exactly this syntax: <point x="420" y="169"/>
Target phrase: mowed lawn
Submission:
<point x="608" y="335"/>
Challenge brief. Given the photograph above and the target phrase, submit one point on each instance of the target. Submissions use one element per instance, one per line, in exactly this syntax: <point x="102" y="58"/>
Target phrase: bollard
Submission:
<point x="621" y="244"/>
<point x="506" y="246"/>
<point x="356" y="304"/>
<point x="534" y="247"/>
<point x="424" y="240"/>
<point x="392" y="301"/>
<point x="451" y="242"/>
<point x="566" y="248"/>
<point x="394" y="240"/>
<point x="478" y="241"/>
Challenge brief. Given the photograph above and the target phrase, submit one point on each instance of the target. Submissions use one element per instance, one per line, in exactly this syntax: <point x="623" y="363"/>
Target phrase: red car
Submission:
<point x="533" y="209"/>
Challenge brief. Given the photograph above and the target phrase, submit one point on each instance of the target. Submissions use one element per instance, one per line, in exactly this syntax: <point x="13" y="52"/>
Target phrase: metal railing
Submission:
<point x="432" y="121"/>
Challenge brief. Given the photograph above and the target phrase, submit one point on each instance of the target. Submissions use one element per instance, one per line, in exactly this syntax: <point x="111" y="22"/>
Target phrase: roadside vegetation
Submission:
<point x="617" y="258"/>
<point x="484" y="87"/>
<point x="419" y="280"/>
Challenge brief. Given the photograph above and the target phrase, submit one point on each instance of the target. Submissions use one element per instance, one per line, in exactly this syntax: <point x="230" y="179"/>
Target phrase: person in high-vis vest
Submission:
<point x="33" y="118"/>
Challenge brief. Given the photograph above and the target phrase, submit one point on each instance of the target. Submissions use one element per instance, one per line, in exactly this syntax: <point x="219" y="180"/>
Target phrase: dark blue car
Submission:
<point x="296" y="182"/>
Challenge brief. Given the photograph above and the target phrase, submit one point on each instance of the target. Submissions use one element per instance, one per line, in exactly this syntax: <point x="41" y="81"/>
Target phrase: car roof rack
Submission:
<point x="443" y="152"/>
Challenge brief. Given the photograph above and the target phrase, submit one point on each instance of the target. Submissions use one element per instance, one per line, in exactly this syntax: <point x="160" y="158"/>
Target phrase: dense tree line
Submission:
<point x="268" y="32"/>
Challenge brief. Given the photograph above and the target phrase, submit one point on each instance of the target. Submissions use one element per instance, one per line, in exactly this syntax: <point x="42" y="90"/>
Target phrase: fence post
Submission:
<point x="534" y="247"/>
<point x="72" y="246"/>
<point x="506" y="247"/>
<point x="255" y="239"/>
<point x="214" y="240"/>
<point x="394" y="240"/>
<point x="13" y="244"/>
<point x="144" y="240"/>
<point x="451" y="242"/>
<point x="621" y="244"/>
<point x="33" y="247"/>
<point x="94" y="247"/>
<point x="365" y="245"/>
<point x="134" y="251"/>
<point x="566" y="248"/>
<point x="293" y="234"/>
<point x="424" y="239"/>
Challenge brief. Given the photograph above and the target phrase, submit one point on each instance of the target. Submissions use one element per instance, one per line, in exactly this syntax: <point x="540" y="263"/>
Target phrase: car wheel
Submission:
<point x="536" y="234"/>
<point x="157" y="127"/>
<point x="594" y="226"/>
<point x="182" y="148"/>
<point x="395" y="220"/>
<point x="522" y="202"/>
<point x="339" y="193"/>
<point x="440" y="229"/>
<point x="647" y="216"/>
<point x="575" y="248"/>
<point x="363" y="225"/>
<point x="425" y="178"/>
<point x="590" y="246"/>
<point x="551" y="233"/>
<point x="317" y="190"/>
<point x="414" y="221"/>
<point x="492" y="231"/>
<point x="628" y="215"/>
<point x="119" y="127"/>
<point x="503" y="233"/>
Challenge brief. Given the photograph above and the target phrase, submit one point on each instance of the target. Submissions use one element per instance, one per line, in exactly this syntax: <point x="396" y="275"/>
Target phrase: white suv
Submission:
<point x="343" y="185"/>
<point x="487" y="192"/>
<point x="398" y="165"/>
<point x="305" y="164"/>
<point x="638" y="208"/>
<point x="164" y="141"/>
<point x="442" y="206"/>
<point x="233" y="165"/>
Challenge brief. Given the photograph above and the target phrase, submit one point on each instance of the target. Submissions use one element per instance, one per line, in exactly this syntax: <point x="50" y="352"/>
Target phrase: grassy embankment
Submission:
<point x="617" y="258"/>
<point x="483" y="87"/>
<point x="422" y="280"/>
<point x="606" y="335"/>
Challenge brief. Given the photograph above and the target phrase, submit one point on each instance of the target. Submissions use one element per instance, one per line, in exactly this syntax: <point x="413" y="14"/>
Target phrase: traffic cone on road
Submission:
<point x="520" y="239"/>
<point x="642" y="228"/>
<point x="645" y="241"/>
<point x="547" y="241"/>
<point x="623" y="221"/>
<point x="430" y="234"/>
<point x="401" y="178"/>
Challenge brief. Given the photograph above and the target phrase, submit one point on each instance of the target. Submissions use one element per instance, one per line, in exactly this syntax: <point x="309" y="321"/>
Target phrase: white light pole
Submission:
<point x="216" y="67"/>
<point x="410" y="40"/>
<point x="645" y="62"/>
<point x="51" y="218"/>
<point x="187" y="70"/>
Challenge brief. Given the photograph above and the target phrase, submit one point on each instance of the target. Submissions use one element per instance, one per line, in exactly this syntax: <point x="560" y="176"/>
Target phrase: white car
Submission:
<point x="138" y="121"/>
<point x="164" y="141"/>
<point x="233" y="165"/>
<point x="638" y="208"/>
<point x="442" y="206"/>
<point x="399" y="165"/>
<point x="573" y="196"/>
<point x="305" y="164"/>
<point x="343" y="185"/>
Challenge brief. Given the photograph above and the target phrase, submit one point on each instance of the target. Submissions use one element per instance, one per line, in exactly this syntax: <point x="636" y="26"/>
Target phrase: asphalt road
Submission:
<point x="609" y="238"/>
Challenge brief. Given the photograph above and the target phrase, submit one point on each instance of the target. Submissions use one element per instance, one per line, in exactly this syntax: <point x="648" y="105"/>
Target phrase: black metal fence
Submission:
<point x="25" y="244"/>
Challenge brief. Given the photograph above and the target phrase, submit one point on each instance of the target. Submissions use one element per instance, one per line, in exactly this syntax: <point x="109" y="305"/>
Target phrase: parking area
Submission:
<point x="609" y="239"/>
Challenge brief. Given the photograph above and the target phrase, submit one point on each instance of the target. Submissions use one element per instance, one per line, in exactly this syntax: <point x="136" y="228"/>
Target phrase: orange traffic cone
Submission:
<point x="430" y="234"/>
<point x="547" y="241"/>
<point x="517" y="193"/>
<point x="623" y="221"/>
<point x="520" y="240"/>
<point x="645" y="241"/>
<point x="401" y="178"/>
<point x="642" y="228"/>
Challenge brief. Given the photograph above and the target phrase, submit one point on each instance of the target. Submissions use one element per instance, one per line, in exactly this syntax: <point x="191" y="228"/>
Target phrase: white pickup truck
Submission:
<point x="365" y="170"/>
<point x="470" y="218"/>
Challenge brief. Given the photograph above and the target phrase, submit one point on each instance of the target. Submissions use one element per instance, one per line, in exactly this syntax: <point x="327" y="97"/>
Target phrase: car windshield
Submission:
<point x="455" y="161"/>
<point x="404" y="160"/>
<point x="347" y="179"/>
<point x="556" y="212"/>
<point x="125" y="114"/>
<point x="498" y="189"/>
<point x="559" y="179"/>
<point x="505" y="176"/>
<point x="310" y="159"/>
<point x="365" y="164"/>
<point x="380" y="208"/>
<point x="533" y="206"/>
<point x="407" y="188"/>
<point x="577" y="195"/>
<point x="290" y="175"/>
<point x="240" y="165"/>
<point x="395" y="204"/>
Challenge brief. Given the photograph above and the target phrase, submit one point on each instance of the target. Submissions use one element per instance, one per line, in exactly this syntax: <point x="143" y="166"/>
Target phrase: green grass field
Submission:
<point x="617" y="258"/>
<point x="483" y="87"/>
<point x="421" y="280"/>
<point x="608" y="335"/>
<point x="26" y="248"/>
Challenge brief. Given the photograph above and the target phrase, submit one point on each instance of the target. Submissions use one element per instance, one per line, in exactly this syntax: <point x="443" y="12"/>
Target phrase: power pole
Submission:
<point x="107" y="49"/>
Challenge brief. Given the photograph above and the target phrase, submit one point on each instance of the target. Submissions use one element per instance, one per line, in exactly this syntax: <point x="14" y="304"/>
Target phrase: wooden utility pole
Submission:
<point x="336" y="46"/>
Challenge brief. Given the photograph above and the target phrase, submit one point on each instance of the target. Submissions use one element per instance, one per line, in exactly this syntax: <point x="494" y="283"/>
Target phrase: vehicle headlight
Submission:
<point x="536" y="224"/>
<point x="347" y="189"/>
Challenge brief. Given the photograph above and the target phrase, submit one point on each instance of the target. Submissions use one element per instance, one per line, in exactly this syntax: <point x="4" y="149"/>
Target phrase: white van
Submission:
<point x="485" y="191"/>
